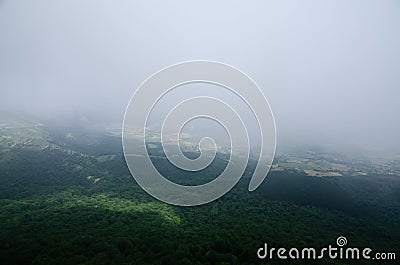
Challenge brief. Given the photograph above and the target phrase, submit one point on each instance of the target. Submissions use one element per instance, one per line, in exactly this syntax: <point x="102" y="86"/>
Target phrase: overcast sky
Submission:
<point x="330" y="69"/>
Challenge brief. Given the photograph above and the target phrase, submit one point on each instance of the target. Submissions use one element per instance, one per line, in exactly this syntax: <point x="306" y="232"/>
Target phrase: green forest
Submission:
<point x="75" y="202"/>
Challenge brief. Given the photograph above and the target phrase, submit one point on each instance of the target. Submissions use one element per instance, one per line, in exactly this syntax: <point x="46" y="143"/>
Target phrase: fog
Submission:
<point x="329" y="69"/>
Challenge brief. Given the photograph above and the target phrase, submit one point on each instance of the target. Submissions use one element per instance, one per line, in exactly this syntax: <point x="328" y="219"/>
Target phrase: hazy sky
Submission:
<point x="330" y="69"/>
